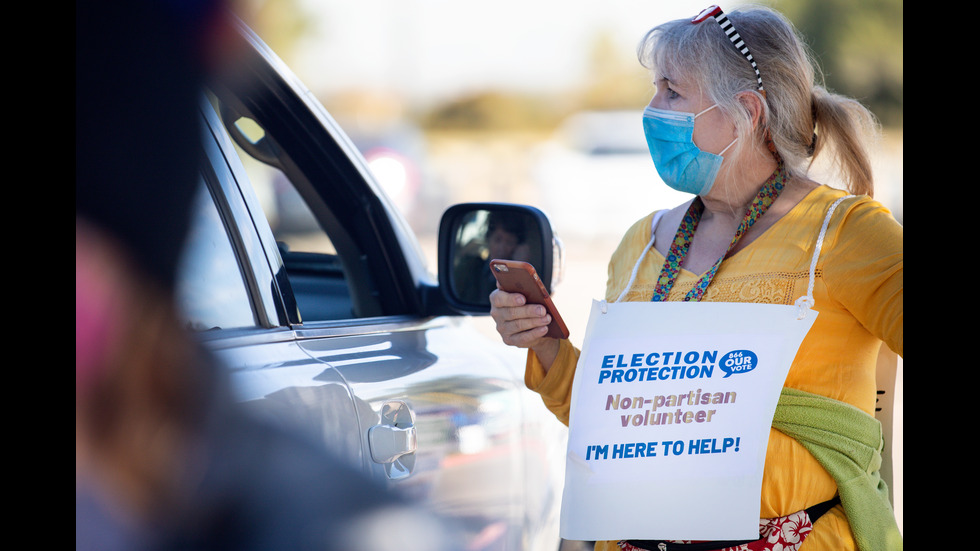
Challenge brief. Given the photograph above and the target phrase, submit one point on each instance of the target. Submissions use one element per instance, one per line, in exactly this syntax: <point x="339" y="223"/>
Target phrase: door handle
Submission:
<point x="393" y="441"/>
<point x="388" y="443"/>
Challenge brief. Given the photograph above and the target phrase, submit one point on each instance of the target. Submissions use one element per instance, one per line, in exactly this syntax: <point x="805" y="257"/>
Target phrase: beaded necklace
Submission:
<point x="685" y="234"/>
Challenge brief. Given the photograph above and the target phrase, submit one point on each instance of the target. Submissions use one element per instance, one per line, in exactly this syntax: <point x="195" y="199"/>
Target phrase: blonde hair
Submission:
<point x="802" y="118"/>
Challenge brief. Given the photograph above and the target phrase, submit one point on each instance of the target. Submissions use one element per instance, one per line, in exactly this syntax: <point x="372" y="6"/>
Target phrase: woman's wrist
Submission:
<point x="547" y="351"/>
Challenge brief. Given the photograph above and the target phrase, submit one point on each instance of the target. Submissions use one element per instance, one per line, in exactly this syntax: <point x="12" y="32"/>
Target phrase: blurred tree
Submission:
<point x="859" y="46"/>
<point x="494" y="110"/>
<point x="616" y="78"/>
<point x="615" y="81"/>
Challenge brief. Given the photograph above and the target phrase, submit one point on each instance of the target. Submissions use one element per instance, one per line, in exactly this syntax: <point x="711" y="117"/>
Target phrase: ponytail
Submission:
<point x="842" y="126"/>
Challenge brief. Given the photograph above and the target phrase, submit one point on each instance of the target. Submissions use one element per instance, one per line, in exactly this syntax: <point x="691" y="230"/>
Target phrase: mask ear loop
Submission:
<point x="727" y="147"/>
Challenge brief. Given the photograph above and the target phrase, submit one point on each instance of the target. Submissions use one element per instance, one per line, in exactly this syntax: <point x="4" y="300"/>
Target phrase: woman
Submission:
<point x="748" y="236"/>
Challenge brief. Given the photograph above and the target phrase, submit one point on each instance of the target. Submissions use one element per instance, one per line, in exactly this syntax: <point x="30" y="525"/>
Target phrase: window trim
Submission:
<point x="222" y="180"/>
<point x="321" y="161"/>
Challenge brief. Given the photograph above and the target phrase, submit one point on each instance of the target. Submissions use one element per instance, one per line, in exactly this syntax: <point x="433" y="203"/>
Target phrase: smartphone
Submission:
<point x="520" y="277"/>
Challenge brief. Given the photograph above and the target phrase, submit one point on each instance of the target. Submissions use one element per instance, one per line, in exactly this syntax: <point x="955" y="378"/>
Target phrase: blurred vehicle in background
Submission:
<point x="305" y="280"/>
<point x="396" y="151"/>
<point x="597" y="169"/>
<point x="395" y="158"/>
<point x="397" y="174"/>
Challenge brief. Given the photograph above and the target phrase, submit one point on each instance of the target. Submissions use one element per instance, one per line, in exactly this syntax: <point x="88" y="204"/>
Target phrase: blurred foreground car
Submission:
<point x="305" y="281"/>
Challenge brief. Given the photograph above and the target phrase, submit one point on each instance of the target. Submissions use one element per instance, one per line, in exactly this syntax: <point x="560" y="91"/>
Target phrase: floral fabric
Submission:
<point x="775" y="534"/>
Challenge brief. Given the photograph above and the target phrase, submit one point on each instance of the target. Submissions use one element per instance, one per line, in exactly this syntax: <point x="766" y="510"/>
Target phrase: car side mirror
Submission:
<point x="472" y="234"/>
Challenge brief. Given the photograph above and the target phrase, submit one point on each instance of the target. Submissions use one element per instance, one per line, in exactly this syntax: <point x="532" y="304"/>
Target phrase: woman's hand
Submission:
<point x="523" y="325"/>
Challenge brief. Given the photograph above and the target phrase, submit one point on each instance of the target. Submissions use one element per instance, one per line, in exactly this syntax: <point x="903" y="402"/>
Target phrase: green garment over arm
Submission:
<point x="847" y="442"/>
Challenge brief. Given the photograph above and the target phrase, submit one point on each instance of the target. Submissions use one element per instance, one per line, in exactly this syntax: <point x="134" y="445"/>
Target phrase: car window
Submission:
<point x="313" y="265"/>
<point x="290" y="218"/>
<point x="211" y="291"/>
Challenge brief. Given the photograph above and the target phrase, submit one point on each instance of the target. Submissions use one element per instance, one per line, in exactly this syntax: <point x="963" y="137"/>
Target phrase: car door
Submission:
<point x="343" y="343"/>
<point x="229" y="295"/>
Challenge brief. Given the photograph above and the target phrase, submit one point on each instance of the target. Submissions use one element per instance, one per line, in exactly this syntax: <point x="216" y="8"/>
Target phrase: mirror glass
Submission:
<point x="483" y="235"/>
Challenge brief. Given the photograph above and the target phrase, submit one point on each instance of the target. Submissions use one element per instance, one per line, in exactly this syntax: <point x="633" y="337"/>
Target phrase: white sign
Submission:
<point x="672" y="404"/>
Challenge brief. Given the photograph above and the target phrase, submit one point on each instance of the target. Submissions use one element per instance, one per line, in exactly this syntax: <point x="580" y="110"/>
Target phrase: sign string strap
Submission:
<point x="805" y="303"/>
<point x="636" y="267"/>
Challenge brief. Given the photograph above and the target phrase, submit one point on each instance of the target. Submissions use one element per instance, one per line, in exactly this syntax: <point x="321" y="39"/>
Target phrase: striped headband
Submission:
<point x="732" y="34"/>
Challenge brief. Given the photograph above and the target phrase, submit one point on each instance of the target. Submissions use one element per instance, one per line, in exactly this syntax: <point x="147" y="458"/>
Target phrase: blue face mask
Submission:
<point x="681" y="165"/>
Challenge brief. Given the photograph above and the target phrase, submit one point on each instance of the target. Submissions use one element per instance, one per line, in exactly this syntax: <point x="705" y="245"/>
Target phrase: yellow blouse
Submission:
<point x="858" y="293"/>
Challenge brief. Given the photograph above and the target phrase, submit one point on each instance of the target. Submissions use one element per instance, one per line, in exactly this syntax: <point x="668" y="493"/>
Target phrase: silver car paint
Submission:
<point x="488" y="454"/>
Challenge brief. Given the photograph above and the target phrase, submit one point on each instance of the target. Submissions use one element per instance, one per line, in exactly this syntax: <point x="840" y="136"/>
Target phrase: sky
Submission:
<point x="440" y="48"/>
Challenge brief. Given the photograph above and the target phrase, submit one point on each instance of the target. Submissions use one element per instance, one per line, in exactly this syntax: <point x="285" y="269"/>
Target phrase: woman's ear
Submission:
<point x="753" y="102"/>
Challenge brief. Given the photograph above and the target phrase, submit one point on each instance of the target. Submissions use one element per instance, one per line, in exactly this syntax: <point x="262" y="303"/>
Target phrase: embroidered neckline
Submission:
<point x="685" y="234"/>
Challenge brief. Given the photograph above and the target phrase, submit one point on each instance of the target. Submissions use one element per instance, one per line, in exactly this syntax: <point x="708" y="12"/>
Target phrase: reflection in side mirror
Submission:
<point x="471" y="235"/>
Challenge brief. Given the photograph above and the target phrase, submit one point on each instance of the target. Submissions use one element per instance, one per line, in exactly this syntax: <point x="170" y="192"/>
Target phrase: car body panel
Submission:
<point x="418" y="399"/>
